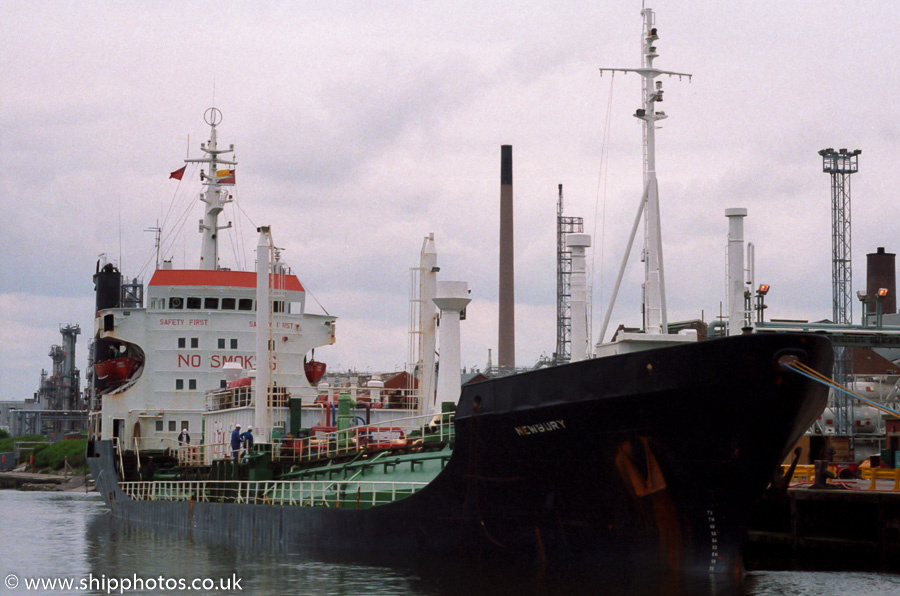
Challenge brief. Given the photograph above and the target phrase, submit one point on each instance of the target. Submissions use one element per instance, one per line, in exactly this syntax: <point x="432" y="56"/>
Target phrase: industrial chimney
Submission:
<point x="881" y="272"/>
<point x="506" y="352"/>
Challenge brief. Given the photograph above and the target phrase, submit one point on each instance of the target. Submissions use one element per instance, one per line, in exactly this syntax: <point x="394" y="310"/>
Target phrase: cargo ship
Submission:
<point x="648" y="453"/>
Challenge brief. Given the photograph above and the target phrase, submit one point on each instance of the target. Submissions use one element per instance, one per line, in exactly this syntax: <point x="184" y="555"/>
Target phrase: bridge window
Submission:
<point x="245" y="304"/>
<point x="179" y="384"/>
<point x="228" y="303"/>
<point x="195" y="342"/>
<point x="192" y="384"/>
<point x="234" y="344"/>
<point x="182" y="342"/>
<point x="159" y="426"/>
<point x="176" y="302"/>
<point x="221" y="343"/>
<point x="193" y="303"/>
<point x="171" y="426"/>
<point x="211" y="303"/>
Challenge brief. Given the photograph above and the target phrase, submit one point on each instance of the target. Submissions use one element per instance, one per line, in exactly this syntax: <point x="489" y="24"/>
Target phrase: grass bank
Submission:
<point x="6" y="443"/>
<point x="51" y="457"/>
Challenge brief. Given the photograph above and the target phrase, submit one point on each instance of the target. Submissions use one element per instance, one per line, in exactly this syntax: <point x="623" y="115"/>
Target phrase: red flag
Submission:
<point x="177" y="174"/>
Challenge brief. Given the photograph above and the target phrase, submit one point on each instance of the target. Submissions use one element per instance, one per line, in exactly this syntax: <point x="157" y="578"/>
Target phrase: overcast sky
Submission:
<point x="360" y="127"/>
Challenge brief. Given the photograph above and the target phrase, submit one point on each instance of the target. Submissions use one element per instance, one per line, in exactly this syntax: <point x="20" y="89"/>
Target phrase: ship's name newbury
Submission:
<point x="541" y="427"/>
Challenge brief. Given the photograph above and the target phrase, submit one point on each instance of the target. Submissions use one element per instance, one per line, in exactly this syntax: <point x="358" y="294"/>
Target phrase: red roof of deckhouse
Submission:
<point x="229" y="279"/>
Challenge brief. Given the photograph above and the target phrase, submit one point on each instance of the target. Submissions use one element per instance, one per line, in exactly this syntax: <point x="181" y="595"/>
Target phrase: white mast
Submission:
<point x="214" y="196"/>
<point x="654" y="276"/>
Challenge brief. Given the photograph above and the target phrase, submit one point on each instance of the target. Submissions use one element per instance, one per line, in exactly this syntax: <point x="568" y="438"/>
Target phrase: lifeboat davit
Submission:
<point x="115" y="370"/>
<point x="314" y="370"/>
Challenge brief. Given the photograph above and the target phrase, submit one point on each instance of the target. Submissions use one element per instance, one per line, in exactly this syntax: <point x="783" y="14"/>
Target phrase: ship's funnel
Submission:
<point x="506" y="352"/>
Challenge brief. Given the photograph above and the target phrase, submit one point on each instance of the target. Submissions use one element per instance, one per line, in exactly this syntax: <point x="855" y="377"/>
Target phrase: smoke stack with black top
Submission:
<point x="506" y="352"/>
<point x="881" y="272"/>
<point x="107" y="285"/>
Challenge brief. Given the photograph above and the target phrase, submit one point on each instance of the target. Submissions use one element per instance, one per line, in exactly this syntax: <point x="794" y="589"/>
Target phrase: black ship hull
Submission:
<point x="649" y="460"/>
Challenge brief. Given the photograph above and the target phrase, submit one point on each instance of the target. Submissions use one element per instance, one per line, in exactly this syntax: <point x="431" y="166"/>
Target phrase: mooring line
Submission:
<point x="811" y="373"/>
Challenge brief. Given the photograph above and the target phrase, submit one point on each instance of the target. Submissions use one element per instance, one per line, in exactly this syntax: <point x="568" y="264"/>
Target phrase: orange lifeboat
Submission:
<point x="115" y="370"/>
<point x="314" y="370"/>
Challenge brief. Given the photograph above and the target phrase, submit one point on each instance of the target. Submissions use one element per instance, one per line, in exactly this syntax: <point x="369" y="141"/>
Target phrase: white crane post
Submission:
<point x="452" y="297"/>
<point x="735" y="269"/>
<point x="263" y="336"/>
<point x="577" y="243"/>
<point x="427" y="323"/>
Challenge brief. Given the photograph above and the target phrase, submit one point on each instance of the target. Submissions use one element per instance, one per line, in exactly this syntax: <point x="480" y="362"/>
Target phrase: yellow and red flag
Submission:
<point x="225" y="176"/>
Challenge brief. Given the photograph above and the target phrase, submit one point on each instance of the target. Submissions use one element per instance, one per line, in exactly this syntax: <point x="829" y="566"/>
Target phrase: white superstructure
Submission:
<point x="153" y="364"/>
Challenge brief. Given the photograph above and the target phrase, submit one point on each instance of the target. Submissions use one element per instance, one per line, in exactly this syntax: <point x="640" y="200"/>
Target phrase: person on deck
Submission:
<point x="248" y="439"/>
<point x="184" y="438"/>
<point x="236" y="441"/>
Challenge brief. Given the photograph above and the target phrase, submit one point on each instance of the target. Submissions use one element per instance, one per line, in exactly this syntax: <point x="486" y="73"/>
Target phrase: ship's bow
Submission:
<point x="650" y="459"/>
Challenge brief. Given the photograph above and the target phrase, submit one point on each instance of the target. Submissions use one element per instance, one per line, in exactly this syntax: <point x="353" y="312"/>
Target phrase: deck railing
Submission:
<point x="226" y="398"/>
<point x="242" y="397"/>
<point x="396" y="434"/>
<point x="187" y="454"/>
<point x="354" y="494"/>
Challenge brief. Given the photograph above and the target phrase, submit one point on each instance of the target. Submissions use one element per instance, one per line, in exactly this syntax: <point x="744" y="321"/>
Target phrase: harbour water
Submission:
<point x="46" y="536"/>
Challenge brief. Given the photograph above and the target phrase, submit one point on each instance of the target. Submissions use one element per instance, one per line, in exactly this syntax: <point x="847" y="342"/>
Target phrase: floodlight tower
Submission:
<point x="564" y="227"/>
<point x="841" y="164"/>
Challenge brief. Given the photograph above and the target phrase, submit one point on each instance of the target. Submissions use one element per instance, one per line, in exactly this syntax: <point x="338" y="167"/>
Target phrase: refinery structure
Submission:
<point x="56" y="408"/>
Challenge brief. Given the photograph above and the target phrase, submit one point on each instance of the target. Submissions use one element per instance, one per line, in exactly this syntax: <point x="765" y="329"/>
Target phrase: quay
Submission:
<point x="851" y="523"/>
<point x="17" y="479"/>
